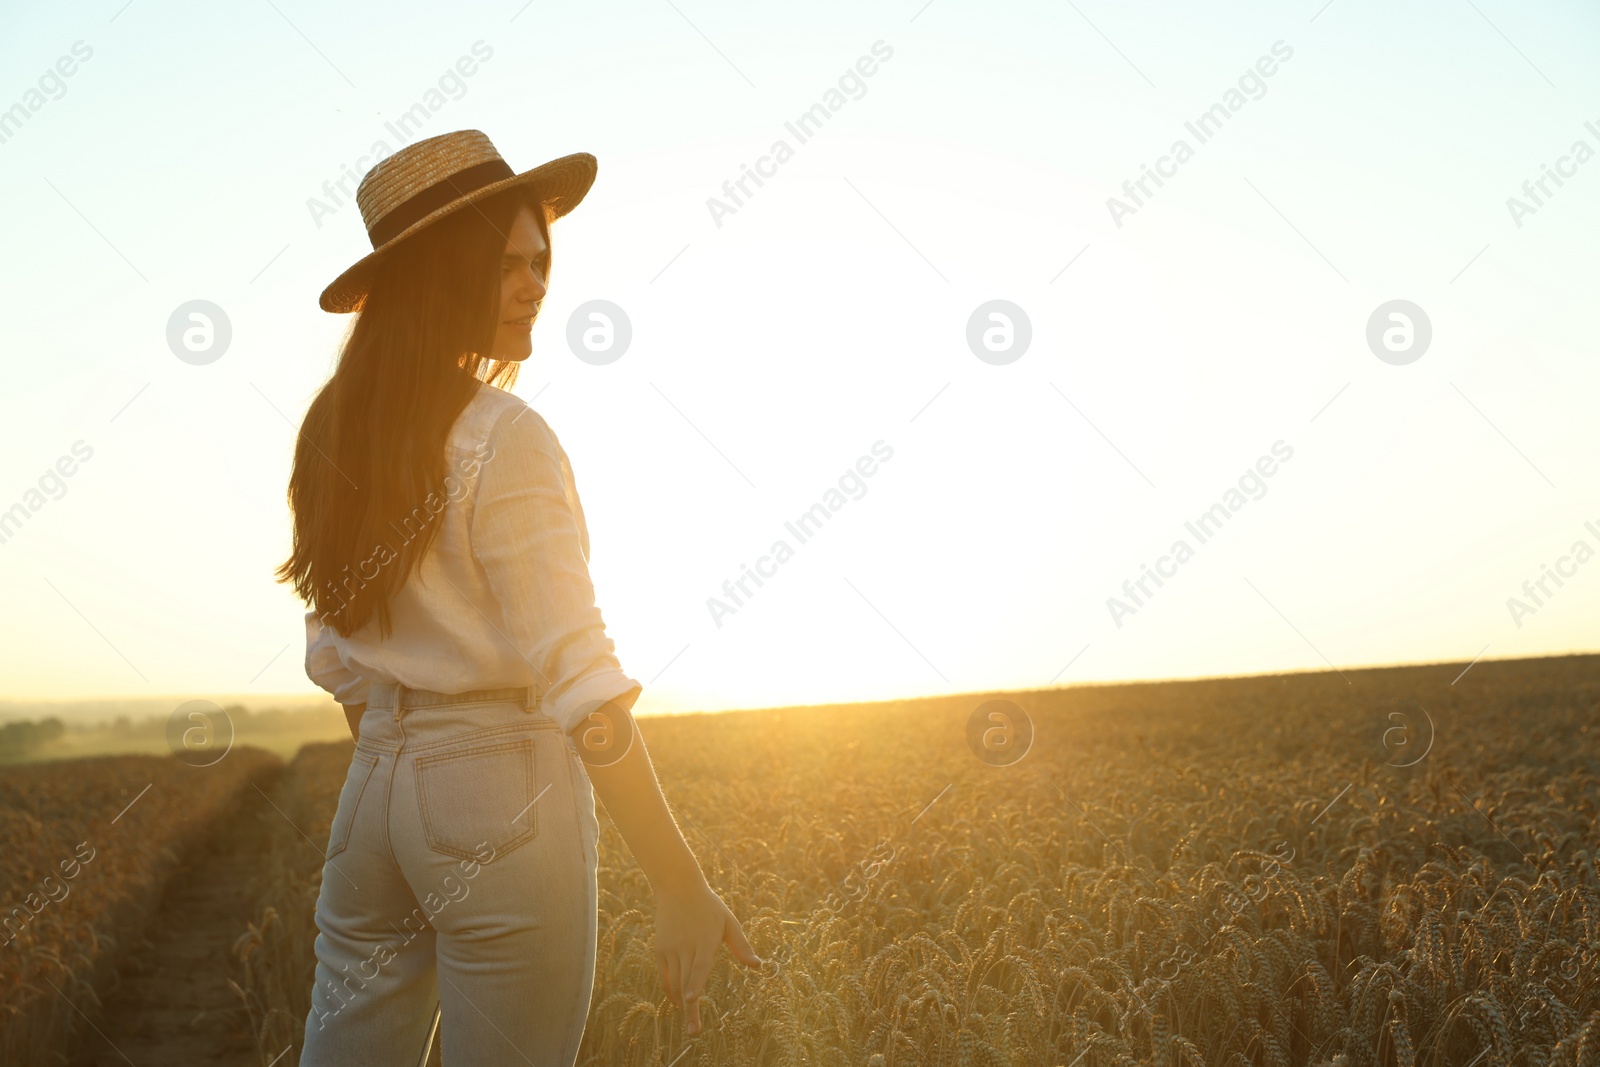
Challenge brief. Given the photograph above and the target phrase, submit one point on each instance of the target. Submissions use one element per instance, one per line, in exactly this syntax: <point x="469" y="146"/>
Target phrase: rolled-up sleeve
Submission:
<point x="324" y="667"/>
<point x="528" y="535"/>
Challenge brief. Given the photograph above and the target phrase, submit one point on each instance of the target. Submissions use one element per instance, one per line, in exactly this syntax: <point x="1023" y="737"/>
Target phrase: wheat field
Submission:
<point x="1376" y="868"/>
<point x="88" y="847"/>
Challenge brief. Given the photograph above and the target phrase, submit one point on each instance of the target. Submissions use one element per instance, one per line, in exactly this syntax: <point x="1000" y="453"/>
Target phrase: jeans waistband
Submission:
<point x="392" y="696"/>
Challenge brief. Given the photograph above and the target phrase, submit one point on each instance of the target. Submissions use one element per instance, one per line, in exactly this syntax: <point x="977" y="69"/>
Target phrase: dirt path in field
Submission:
<point x="172" y="1003"/>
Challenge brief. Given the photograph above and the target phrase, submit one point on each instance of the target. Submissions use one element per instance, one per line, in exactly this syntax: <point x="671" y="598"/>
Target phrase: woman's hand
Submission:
<point x="690" y="922"/>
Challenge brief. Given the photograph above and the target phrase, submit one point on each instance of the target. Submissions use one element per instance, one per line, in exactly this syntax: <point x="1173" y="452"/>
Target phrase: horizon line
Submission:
<point x="306" y="695"/>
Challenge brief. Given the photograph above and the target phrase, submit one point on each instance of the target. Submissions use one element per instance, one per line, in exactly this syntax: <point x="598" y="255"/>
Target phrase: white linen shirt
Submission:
<point x="502" y="597"/>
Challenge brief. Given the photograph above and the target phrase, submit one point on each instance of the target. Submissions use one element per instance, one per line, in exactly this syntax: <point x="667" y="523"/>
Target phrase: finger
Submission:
<point x="685" y="963"/>
<point x="692" y="1020"/>
<point x="698" y="972"/>
<point x="674" y="981"/>
<point x="733" y="937"/>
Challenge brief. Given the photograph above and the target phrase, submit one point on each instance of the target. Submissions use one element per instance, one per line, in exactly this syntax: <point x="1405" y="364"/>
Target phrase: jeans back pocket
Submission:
<point x="478" y="799"/>
<point x="355" y="784"/>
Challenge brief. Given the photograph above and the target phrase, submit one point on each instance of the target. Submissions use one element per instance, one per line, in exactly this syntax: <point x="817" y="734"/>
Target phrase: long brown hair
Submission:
<point x="369" y="463"/>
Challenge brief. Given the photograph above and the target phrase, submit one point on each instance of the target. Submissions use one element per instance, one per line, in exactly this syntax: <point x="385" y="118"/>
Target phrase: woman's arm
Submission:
<point x="691" y="920"/>
<point x="352" y="715"/>
<point x="324" y="667"/>
<point x="529" y="536"/>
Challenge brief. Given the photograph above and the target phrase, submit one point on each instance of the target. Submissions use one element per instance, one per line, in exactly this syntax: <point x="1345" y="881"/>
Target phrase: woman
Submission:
<point x="441" y="545"/>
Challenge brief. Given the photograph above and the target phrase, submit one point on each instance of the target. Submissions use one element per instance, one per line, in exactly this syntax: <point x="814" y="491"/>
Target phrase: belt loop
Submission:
<point x="399" y="699"/>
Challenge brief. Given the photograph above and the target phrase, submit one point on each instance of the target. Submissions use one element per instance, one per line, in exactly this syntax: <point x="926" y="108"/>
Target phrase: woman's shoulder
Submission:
<point x="494" y="416"/>
<point x="495" y="420"/>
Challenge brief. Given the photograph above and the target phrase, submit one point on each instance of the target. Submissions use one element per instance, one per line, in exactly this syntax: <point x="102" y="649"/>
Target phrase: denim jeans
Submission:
<point x="460" y="870"/>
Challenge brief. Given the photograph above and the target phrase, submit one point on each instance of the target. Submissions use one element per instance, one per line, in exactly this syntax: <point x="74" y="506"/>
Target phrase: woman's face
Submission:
<point x="524" y="265"/>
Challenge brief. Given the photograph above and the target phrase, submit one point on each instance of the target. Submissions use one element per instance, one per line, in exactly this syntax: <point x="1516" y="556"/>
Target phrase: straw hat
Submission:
<point x="426" y="181"/>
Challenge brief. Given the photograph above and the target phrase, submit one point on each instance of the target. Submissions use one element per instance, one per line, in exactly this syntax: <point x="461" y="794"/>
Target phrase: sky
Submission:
<point x="1181" y="341"/>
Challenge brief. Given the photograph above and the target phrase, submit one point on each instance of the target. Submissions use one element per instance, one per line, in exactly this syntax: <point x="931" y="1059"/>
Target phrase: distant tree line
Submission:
<point x="19" y="740"/>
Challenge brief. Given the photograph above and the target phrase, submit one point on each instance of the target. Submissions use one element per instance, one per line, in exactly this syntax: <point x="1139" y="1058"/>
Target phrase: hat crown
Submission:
<point x="397" y="178"/>
<point x="423" y="182"/>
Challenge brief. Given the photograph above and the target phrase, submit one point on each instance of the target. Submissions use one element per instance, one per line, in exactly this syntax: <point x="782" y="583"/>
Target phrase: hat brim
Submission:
<point x="561" y="184"/>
